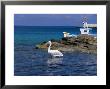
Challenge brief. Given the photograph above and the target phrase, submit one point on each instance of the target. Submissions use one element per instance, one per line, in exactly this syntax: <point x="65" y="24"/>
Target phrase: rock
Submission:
<point x="54" y="40"/>
<point x="84" y="43"/>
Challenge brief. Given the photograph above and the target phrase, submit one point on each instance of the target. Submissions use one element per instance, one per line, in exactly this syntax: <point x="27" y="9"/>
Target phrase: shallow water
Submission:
<point x="36" y="62"/>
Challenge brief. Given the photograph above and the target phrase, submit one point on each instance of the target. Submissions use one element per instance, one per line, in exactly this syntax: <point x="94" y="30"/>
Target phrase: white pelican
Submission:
<point x="54" y="53"/>
<point x="66" y="34"/>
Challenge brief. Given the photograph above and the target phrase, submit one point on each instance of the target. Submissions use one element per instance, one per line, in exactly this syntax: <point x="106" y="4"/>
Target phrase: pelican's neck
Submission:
<point x="49" y="47"/>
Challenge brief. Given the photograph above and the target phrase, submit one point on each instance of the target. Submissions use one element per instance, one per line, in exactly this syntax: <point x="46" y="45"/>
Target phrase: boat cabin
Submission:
<point x="85" y="29"/>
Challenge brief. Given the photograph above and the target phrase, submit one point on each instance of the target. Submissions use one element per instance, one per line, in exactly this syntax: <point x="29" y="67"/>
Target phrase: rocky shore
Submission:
<point x="83" y="43"/>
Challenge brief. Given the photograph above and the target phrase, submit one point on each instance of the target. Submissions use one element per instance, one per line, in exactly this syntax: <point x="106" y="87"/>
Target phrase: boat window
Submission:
<point x="85" y="30"/>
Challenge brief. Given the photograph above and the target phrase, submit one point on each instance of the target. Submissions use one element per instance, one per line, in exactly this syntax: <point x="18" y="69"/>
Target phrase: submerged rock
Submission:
<point x="83" y="43"/>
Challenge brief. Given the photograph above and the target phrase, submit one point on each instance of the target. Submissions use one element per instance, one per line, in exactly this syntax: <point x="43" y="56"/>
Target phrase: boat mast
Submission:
<point x="85" y="25"/>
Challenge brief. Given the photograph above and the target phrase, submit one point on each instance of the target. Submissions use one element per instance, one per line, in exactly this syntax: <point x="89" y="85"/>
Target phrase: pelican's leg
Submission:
<point x="51" y="56"/>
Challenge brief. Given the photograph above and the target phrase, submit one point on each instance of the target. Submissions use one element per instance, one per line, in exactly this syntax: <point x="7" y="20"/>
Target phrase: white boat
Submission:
<point x="85" y="29"/>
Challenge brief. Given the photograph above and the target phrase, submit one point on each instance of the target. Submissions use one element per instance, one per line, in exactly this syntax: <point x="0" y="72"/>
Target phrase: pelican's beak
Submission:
<point x="47" y="43"/>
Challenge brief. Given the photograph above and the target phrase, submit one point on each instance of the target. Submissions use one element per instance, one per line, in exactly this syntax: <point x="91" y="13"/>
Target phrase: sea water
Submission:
<point x="29" y="61"/>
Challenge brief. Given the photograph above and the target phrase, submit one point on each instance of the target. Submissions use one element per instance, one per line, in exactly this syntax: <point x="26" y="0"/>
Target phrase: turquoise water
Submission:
<point x="29" y="61"/>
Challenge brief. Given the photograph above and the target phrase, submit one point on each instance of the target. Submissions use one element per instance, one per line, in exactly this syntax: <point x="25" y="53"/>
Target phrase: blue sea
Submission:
<point x="29" y="61"/>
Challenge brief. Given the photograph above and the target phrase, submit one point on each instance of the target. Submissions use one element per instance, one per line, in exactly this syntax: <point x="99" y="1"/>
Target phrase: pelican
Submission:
<point x="66" y="34"/>
<point x="54" y="53"/>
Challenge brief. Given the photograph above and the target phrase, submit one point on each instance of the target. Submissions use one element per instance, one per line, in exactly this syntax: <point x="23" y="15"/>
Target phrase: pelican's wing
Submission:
<point x="56" y="53"/>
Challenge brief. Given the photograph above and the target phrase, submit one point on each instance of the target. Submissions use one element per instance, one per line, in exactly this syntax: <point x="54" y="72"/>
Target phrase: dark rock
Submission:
<point x="53" y="40"/>
<point x="36" y="47"/>
<point x="64" y="39"/>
